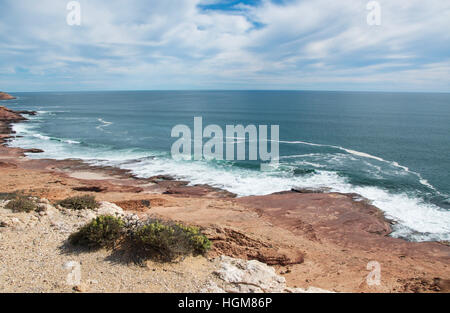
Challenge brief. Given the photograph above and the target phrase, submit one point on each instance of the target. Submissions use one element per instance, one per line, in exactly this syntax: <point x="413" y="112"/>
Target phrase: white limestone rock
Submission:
<point x="241" y="276"/>
<point x="108" y="208"/>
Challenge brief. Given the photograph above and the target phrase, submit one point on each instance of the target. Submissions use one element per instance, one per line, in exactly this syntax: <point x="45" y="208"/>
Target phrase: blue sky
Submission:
<point x="228" y="44"/>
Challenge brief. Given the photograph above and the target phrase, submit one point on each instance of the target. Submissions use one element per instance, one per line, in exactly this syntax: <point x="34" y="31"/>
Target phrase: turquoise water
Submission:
<point x="392" y="148"/>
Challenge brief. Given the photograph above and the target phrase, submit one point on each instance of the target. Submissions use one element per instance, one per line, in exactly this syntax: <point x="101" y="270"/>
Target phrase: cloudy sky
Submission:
<point x="225" y="44"/>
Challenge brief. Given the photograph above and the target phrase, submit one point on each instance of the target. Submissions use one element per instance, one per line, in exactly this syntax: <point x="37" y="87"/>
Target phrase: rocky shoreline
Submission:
<point x="5" y="96"/>
<point x="312" y="239"/>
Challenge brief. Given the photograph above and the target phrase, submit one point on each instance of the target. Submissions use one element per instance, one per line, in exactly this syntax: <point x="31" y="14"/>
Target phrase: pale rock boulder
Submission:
<point x="47" y="209"/>
<point x="249" y="276"/>
<point x="44" y="201"/>
<point x="108" y="208"/>
<point x="242" y="276"/>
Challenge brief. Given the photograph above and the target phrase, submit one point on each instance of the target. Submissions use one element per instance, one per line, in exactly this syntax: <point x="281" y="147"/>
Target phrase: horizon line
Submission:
<point x="229" y="90"/>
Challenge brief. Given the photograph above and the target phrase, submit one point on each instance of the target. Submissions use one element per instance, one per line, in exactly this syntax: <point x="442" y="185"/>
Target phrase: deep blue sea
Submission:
<point x="392" y="148"/>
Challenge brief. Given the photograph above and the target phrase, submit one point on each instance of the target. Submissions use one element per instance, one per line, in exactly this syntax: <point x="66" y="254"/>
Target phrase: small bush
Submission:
<point x="101" y="232"/>
<point x="18" y="201"/>
<point x="79" y="203"/>
<point x="142" y="239"/>
<point x="169" y="241"/>
<point x="21" y="204"/>
<point x="199" y="242"/>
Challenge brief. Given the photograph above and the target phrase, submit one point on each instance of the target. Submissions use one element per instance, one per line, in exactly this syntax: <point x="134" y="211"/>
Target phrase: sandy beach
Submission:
<point x="312" y="239"/>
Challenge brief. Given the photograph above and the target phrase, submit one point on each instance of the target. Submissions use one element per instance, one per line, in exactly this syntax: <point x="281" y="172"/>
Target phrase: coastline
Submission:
<point x="5" y="96"/>
<point x="312" y="239"/>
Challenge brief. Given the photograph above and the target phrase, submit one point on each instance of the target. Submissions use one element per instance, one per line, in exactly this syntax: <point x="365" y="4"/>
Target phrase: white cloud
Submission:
<point x="174" y="44"/>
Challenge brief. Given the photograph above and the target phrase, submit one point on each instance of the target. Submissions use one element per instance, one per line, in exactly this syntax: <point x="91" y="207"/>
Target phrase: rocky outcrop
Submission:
<point x="33" y="150"/>
<point x="338" y="218"/>
<point x="341" y="218"/>
<point x="5" y="96"/>
<point x="107" y="208"/>
<point x="8" y="115"/>
<point x="227" y="241"/>
<point x="241" y="276"/>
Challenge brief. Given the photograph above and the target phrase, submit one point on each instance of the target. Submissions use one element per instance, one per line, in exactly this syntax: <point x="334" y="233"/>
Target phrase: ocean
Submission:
<point x="391" y="148"/>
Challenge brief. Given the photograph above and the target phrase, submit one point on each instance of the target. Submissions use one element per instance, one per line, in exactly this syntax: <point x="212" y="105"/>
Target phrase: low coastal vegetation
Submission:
<point x="167" y="240"/>
<point x="19" y="202"/>
<point x="79" y="203"/>
<point x="21" y="205"/>
<point x="152" y="238"/>
<point x="101" y="232"/>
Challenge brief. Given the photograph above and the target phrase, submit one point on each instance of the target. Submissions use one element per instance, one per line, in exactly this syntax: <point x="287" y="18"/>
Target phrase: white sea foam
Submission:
<point x="296" y="156"/>
<point x="72" y="142"/>
<point x="367" y="155"/>
<point x="22" y="128"/>
<point x="310" y="164"/>
<point x="41" y="137"/>
<point x="362" y="154"/>
<point x="428" y="220"/>
<point x="44" y="137"/>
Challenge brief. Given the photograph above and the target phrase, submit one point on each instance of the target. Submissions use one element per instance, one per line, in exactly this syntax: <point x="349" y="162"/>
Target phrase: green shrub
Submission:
<point x="18" y="201"/>
<point x="79" y="203"/>
<point x="149" y="239"/>
<point x="102" y="232"/>
<point x="169" y="241"/>
<point x="199" y="242"/>
<point x="21" y="204"/>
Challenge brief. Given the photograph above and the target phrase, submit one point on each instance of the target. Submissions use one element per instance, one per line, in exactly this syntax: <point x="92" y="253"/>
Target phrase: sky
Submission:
<point x="225" y="44"/>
